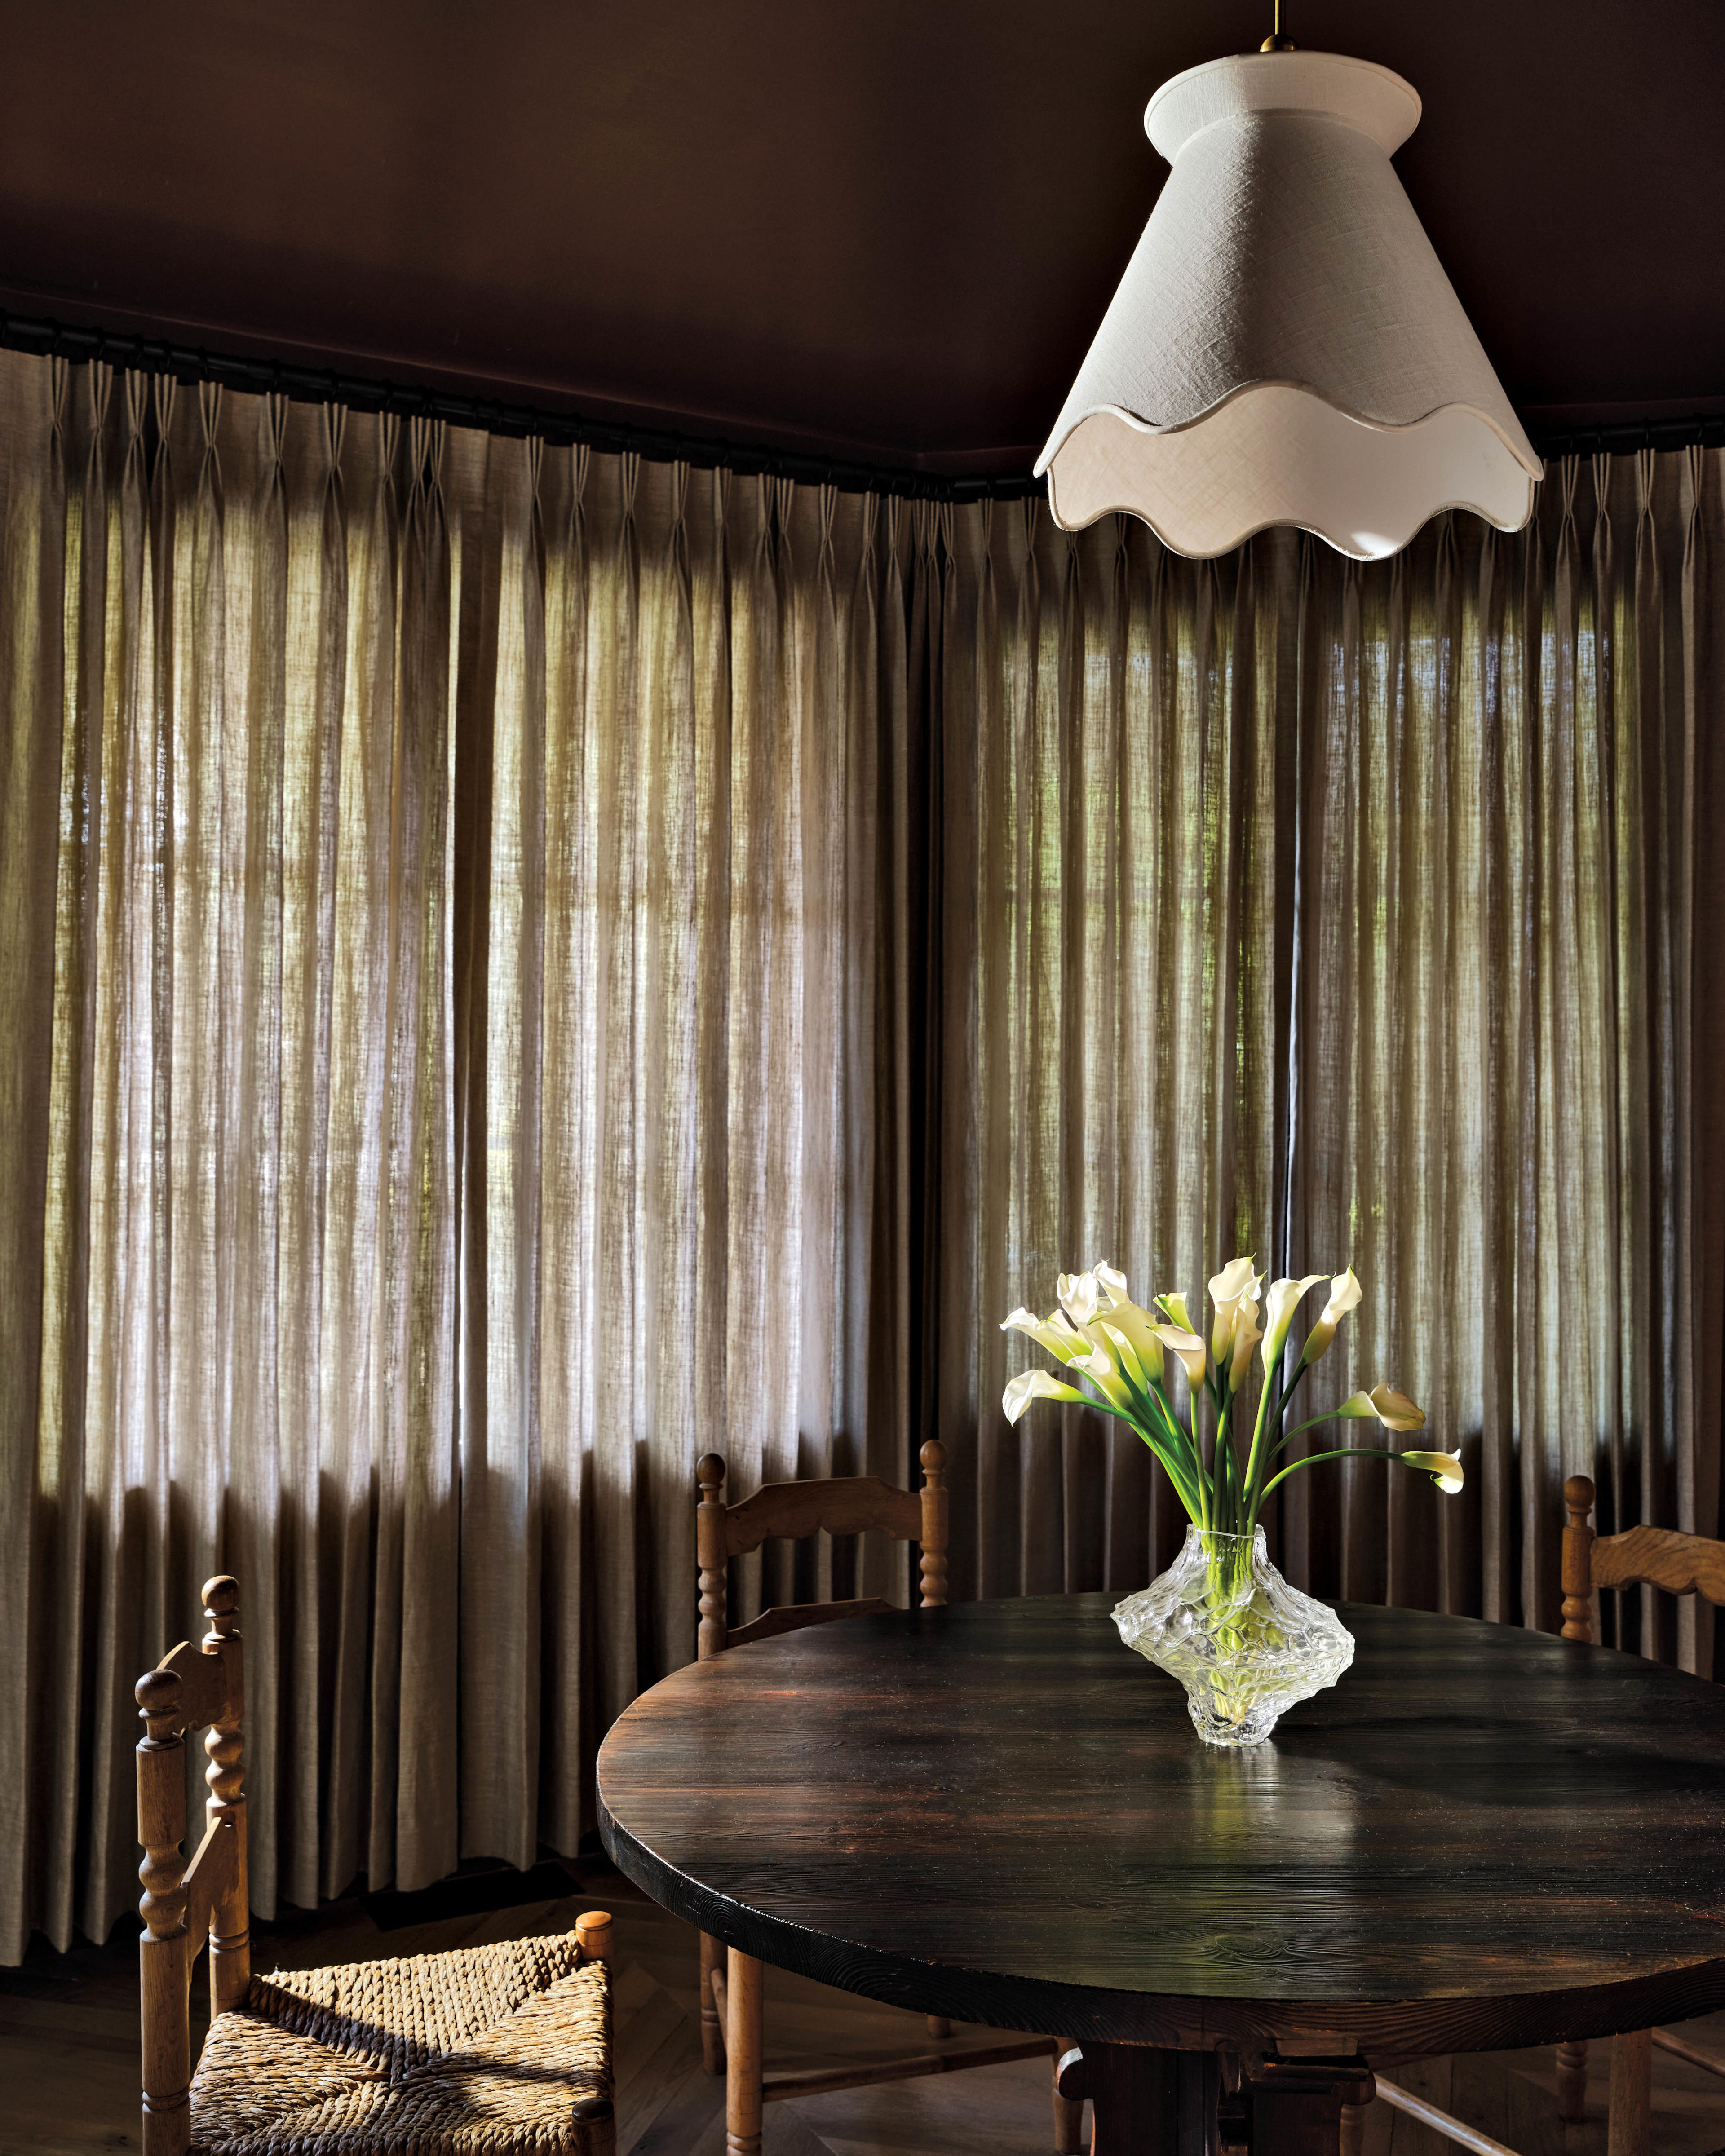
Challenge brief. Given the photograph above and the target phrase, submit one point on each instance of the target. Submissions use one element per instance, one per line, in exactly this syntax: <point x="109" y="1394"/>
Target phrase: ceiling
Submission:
<point x="886" y="231"/>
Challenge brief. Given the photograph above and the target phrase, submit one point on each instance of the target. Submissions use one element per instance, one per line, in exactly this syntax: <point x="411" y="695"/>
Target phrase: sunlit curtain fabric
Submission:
<point x="454" y="1038"/>
<point x="519" y="967"/>
<point x="1348" y="914"/>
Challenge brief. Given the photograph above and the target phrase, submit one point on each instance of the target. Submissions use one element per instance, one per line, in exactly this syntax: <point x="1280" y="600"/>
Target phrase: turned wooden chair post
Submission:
<point x="935" y="1502"/>
<point x="1577" y="1559"/>
<point x="230" y="1949"/>
<point x="593" y="1932"/>
<point x="1577" y="1625"/>
<point x="183" y="1902"/>
<point x="933" y="1571"/>
<point x="162" y="1975"/>
<point x="711" y="1555"/>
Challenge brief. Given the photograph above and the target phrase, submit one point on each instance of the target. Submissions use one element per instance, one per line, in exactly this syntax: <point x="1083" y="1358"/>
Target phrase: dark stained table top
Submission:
<point x="1481" y="1837"/>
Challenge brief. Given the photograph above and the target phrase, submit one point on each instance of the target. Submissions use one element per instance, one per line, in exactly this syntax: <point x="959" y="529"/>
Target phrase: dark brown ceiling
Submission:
<point x="886" y="230"/>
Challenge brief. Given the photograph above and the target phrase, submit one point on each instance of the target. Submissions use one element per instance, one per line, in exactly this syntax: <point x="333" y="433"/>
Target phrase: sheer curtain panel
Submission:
<point x="450" y="973"/>
<point x="520" y="967"/>
<point x="1347" y="913"/>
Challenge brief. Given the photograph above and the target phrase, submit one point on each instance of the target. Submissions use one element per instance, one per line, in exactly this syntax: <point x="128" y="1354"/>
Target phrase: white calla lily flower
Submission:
<point x="1112" y="1284"/>
<point x="1231" y="1289"/>
<point x="1054" y="1333"/>
<point x="1079" y="1296"/>
<point x="1188" y="1350"/>
<point x="1118" y="1353"/>
<point x="1345" y="1294"/>
<point x="1238" y="1277"/>
<point x="1100" y="1367"/>
<point x="1283" y="1300"/>
<point x="1246" y="1336"/>
<point x="1445" y="1468"/>
<point x="1394" y="1409"/>
<point x="1134" y="1325"/>
<point x="1035" y="1385"/>
<point x="1127" y="1358"/>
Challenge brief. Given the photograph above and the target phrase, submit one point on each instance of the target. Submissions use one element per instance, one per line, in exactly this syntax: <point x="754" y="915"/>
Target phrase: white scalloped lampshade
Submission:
<point x="1285" y="347"/>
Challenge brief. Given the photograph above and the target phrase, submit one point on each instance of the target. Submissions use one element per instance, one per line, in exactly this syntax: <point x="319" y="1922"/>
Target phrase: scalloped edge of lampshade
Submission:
<point x="1276" y="452"/>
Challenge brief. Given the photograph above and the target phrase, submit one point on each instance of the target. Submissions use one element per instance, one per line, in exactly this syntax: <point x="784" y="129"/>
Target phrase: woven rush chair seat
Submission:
<point x="502" y="2049"/>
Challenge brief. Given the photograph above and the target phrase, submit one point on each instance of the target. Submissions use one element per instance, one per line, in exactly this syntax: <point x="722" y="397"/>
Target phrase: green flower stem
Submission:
<point x="1148" y="1406"/>
<point x="1226" y="1465"/>
<point x="1254" y="1495"/>
<point x="1342" y="1452"/>
<point x="1178" y="1471"/>
<point x="1284" y="1393"/>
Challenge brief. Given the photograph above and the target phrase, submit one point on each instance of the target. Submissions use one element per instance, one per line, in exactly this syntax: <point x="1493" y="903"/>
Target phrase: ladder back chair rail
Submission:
<point x="1639" y="1557"/>
<point x="1679" y="1564"/>
<point x="730" y="2008"/>
<point x="186" y="1905"/>
<point x="840" y="1505"/>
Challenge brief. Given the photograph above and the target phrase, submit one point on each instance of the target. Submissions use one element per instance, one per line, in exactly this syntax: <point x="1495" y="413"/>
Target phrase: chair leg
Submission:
<point x="1629" y="2133"/>
<point x="1572" y="2081"/>
<point x="712" y="2036"/>
<point x="938" y="2025"/>
<point x="1068" y="2114"/>
<point x="742" y="2055"/>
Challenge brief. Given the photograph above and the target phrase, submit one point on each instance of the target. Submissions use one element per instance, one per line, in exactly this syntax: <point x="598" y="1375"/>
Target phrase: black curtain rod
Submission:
<point x="493" y="415"/>
<point x="1622" y="438"/>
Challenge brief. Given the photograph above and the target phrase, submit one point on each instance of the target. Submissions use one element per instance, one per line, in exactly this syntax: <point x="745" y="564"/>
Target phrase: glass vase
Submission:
<point x="1245" y="1644"/>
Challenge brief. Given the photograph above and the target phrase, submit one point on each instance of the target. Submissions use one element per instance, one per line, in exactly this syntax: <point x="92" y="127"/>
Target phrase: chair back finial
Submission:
<point x="161" y="1802"/>
<point x="1578" y="1560"/>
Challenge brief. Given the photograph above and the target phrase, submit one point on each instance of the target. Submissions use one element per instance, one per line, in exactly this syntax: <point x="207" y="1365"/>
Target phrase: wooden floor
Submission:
<point x="68" y="2048"/>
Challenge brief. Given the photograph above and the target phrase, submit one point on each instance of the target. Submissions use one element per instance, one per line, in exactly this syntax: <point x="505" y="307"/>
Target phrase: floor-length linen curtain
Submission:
<point x="453" y="929"/>
<point x="1344" y="913"/>
<point x="521" y="967"/>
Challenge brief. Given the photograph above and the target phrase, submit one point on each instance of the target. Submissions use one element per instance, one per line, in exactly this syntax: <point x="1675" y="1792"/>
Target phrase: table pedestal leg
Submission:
<point x="1144" y="2102"/>
<point x="1148" y="2102"/>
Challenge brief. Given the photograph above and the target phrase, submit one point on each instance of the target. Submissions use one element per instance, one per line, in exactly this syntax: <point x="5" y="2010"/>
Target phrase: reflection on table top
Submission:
<point x="1480" y="1836"/>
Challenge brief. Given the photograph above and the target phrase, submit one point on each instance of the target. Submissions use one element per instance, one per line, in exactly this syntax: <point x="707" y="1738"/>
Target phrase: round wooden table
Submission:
<point x="1481" y="1838"/>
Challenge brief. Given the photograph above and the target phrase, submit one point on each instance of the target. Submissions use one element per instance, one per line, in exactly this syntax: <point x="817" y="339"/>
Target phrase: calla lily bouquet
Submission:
<point x="1120" y="1355"/>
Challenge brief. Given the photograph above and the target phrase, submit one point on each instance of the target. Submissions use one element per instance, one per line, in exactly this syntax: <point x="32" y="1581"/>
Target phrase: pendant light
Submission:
<point x="1285" y="347"/>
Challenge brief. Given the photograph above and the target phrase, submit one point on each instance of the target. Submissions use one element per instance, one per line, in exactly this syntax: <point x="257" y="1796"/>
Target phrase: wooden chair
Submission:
<point x="1681" y="1564"/>
<point x="487" y="2049"/>
<point x="731" y="2022"/>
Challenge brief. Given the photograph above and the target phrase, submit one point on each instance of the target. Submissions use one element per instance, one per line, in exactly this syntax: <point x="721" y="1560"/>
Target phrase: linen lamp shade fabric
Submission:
<point x="1285" y="347"/>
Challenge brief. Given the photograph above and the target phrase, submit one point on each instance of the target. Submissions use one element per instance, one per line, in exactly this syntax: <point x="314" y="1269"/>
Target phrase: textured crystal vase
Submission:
<point x="1245" y="1644"/>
